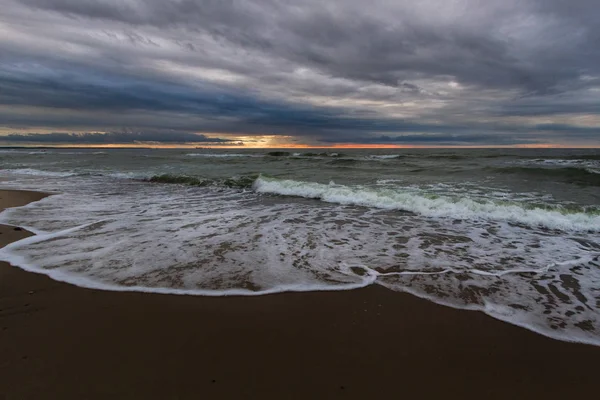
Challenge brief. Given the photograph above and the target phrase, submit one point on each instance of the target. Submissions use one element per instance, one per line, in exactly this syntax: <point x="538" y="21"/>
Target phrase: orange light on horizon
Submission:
<point x="294" y="146"/>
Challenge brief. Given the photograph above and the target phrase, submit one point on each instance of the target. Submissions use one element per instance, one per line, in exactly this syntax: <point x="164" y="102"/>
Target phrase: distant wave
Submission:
<point x="435" y="206"/>
<point x="213" y="155"/>
<point x="579" y="175"/>
<point x="309" y="154"/>
<point x="383" y="156"/>
<point x="578" y="157"/>
<point x="444" y="156"/>
<point x="336" y="156"/>
<point x="374" y="157"/>
<point x="37" y="172"/>
<point x="51" y="152"/>
<point x="29" y="152"/>
<point x="65" y="174"/>
<point x="302" y="155"/>
<point x="322" y="154"/>
<point x="590" y="157"/>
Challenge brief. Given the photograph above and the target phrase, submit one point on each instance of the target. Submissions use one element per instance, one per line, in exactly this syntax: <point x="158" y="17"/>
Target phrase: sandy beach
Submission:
<point x="58" y="341"/>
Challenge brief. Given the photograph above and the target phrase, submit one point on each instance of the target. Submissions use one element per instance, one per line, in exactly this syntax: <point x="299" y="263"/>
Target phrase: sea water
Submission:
<point x="512" y="233"/>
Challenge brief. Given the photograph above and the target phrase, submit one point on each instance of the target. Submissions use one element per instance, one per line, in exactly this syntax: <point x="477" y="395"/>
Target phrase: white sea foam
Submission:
<point x="130" y="175"/>
<point x="51" y="152"/>
<point x="173" y="239"/>
<point x="552" y="162"/>
<point x="593" y="170"/>
<point x="125" y="235"/>
<point x="463" y="208"/>
<point x="558" y="302"/>
<point x="471" y="190"/>
<point x="383" y="156"/>
<point x="388" y="181"/>
<point x="38" y="172"/>
<point x="110" y="245"/>
<point x="28" y="152"/>
<point x="592" y="166"/>
<point x="213" y="155"/>
<point x="92" y="282"/>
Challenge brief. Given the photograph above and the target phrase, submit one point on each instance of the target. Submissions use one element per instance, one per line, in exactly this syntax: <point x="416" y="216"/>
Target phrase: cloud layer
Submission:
<point x="429" y="72"/>
<point x="113" y="138"/>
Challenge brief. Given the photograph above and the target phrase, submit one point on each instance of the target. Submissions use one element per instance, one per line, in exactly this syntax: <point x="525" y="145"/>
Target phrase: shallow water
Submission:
<point x="513" y="233"/>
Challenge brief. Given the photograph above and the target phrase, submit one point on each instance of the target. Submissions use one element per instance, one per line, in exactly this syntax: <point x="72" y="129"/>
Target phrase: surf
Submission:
<point x="552" y="217"/>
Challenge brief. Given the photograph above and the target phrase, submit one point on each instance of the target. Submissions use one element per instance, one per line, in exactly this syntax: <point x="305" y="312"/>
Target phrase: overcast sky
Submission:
<point x="317" y="72"/>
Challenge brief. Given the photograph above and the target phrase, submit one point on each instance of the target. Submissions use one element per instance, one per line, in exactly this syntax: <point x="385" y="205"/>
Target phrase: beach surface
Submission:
<point x="66" y="342"/>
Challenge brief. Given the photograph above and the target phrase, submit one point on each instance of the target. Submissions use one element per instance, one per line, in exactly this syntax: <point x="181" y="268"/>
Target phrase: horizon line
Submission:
<point x="336" y="146"/>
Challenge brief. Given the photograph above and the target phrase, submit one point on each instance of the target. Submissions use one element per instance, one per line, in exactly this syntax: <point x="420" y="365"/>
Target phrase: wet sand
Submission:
<point x="58" y="341"/>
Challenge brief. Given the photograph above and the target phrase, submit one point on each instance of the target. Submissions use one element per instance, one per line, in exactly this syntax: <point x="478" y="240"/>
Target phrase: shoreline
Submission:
<point x="62" y="341"/>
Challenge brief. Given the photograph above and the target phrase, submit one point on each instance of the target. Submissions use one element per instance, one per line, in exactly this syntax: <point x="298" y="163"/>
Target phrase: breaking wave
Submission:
<point x="158" y="221"/>
<point x="323" y="154"/>
<point x="552" y="217"/>
<point x="37" y="172"/>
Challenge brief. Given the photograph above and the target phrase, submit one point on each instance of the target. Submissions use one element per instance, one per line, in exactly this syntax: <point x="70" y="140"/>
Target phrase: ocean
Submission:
<point x="514" y="233"/>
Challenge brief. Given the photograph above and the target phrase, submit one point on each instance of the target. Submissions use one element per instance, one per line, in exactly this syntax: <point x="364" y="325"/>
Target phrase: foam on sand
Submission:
<point x="218" y="241"/>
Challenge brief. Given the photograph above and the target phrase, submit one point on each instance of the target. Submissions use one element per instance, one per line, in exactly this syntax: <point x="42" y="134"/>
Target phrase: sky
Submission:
<point x="282" y="73"/>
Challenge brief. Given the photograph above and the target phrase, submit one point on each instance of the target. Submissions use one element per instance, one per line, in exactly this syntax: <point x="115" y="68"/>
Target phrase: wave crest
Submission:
<point x="579" y="219"/>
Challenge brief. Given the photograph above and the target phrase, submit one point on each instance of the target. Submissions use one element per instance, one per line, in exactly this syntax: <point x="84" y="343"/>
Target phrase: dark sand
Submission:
<point x="59" y="341"/>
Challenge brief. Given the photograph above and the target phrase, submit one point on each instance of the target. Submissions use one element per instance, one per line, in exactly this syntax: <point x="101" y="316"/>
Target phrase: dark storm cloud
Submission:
<point x="83" y="91"/>
<point x="110" y="138"/>
<point x="546" y="107"/>
<point x="439" y="139"/>
<point x="332" y="71"/>
<point x="591" y="132"/>
<point x="344" y="40"/>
